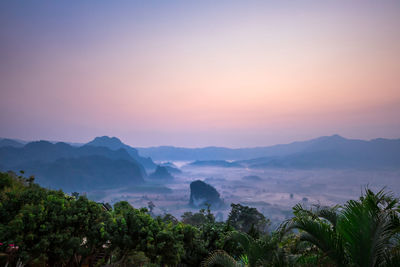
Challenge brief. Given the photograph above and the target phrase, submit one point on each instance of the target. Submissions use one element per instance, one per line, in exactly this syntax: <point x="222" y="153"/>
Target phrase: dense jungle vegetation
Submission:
<point x="42" y="227"/>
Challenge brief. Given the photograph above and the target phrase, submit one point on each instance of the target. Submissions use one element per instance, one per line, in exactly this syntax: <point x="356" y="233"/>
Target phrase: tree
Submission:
<point x="134" y="230"/>
<point x="264" y="251"/>
<point x="49" y="226"/>
<point x="244" y="218"/>
<point x="193" y="245"/>
<point x="361" y="233"/>
<point x="197" y="219"/>
<point x="169" y="218"/>
<point x="151" y="206"/>
<point x="90" y="225"/>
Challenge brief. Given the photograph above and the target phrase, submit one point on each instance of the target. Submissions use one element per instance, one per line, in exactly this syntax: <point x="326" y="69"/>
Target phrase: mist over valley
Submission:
<point x="327" y="171"/>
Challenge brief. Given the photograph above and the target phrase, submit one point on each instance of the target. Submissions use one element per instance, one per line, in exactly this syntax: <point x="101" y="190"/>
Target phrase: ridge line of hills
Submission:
<point x="280" y="150"/>
<point x="107" y="162"/>
<point x="145" y="156"/>
<point x="102" y="163"/>
<point x="167" y="153"/>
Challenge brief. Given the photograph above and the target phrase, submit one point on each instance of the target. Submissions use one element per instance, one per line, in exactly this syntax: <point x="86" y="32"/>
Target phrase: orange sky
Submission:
<point x="232" y="73"/>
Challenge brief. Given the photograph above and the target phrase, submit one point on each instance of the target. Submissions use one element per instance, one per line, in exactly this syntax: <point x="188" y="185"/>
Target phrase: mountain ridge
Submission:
<point x="247" y="153"/>
<point x="64" y="166"/>
<point x="115" y="143"/>
<point x="332" y="151"/>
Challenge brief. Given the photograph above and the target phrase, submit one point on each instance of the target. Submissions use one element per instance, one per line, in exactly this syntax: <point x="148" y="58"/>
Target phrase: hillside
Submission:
<point x="202" y="194"/>
<point x="85" y="173"/>
<point x="335" y="152"/>
<point x="10" y="142"/>
<point x="74" y="168"/>
<point x="161" y="173"/>
<point x="114" y="143"/>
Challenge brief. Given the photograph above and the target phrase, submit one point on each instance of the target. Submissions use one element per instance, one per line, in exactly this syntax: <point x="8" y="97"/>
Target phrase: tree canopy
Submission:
<point x="42" y="227"/>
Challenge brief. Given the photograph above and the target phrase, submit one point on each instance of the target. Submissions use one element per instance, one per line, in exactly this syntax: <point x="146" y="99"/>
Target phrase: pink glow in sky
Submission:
<point x="199" y="73"/>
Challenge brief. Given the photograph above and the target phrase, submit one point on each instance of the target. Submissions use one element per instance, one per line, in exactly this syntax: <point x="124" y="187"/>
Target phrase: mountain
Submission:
<point x="45" y="151"/>
<point x="335" y="152"/>
<point x="64" y="166"/>
<point x="161" y="173"/>
<point x="85" y="173"/>
<point x="324" y="152"/>
<point x="214" y="163"/>
<point x="21" y="143"/>
<point x="171" y="168"/>
<point x="114" y="143"/>
<point x="164" y="153"/>
<point x="202" y="193"/>
<point x="10" y="142"/>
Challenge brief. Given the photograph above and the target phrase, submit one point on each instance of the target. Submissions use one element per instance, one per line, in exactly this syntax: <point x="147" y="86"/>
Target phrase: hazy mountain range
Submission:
<point x="385" y="148"/>
<point x="332" y="152"/>
<point x="10" y="142"/>
<point x="107" y="162"/>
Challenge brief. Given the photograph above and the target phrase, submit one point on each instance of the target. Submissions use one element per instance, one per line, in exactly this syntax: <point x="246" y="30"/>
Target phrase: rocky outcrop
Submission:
<point x="202" y="193"/>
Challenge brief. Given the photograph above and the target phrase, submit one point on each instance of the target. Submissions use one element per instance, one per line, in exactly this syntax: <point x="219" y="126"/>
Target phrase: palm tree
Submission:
<point x="361" y="233"/>
<point x="256" y="252"/>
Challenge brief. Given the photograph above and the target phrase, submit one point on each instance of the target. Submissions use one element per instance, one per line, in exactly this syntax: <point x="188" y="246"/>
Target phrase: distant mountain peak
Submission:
<point x="330" y="138"/>
<point x="337" y="136"/>
<point x="161" y="173"/>
<point x="10" y="142"/>
<point x="38" y="144"/>
<point x="112" y="142"/>
<point x="115" y="143"/>
<point x="107" y="138"/>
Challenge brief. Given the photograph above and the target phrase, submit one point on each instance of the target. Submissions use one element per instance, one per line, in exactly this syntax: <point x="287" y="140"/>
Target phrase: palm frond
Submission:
<point x="391" y="258"/>
<point x="329" y="213"/>
<point x="322" y="236"/>
<point x="242" y="238"/>
<point x="366" y="229"/>
<point x="219" y="258"/>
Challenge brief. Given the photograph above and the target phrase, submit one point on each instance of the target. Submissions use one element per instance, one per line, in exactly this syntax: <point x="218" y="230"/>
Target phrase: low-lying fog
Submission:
<point x="272" y="191"/>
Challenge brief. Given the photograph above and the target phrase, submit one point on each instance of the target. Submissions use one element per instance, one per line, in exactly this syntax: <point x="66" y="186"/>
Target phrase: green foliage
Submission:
<point x="40" y="227"/>
<point x="256" y="252"/>
<point x="220" y="258"/>
<point x="205" y="236"/>
<point x="361" y="233"/>
<point x="136" y="230"/>
<point x="193" y="245"/>
<point x="196" y="219"/>
<point x="244" y="218"/>
<point x="49" y="225"/>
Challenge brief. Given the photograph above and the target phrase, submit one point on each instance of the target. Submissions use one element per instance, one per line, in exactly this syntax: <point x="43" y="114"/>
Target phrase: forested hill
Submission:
<point x="73" y="168"/>
<point x="114" y="143"/>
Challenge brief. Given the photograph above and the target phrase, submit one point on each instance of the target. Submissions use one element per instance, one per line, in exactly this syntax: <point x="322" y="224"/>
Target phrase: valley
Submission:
<point x="274" y="195"/>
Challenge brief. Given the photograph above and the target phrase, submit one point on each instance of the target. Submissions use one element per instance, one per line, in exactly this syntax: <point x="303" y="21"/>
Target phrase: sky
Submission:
<point x="199" y="73"/>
